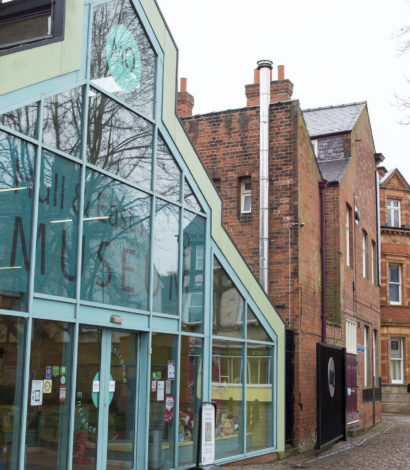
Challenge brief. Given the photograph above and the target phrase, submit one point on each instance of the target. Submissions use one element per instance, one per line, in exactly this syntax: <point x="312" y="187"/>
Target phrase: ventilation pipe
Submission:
<point x="264" y="67"/>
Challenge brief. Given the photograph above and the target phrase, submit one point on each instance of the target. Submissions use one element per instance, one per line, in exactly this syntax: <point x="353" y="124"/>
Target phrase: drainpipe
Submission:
<point x="322" y="186"/>
<point x="264" y="67"/>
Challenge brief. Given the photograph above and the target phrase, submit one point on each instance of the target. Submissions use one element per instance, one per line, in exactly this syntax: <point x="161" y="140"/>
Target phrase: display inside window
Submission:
<point x="259" y="405"/>
<point x="190" y="397"/>
<point x="48" y="406"/>
<point x="12" y="347"/>
<point x="163" y="417"/>
<point x="24" y="22"/>
<point x="227" y="393"/>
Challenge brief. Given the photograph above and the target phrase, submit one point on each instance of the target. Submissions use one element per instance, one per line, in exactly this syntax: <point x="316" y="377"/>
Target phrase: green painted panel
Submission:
<point x="54" y="309"/>
<point x="165" y="324"/>
<point x="55" y="59"/>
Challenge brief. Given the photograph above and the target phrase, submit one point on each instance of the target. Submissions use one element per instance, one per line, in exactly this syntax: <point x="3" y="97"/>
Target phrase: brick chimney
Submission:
<point x="280" y="89"/>
<point x="185" y="101"/>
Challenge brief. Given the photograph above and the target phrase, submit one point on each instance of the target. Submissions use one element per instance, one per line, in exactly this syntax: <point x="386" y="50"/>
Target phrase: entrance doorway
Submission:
<point x="106" y="400"/>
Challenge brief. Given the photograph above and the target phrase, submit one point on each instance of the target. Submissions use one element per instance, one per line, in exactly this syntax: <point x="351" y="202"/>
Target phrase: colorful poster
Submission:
<point x="171" y="370"/>
<point x="63" y="370"/>
<point x="153" y="385"/>
<point x="168" y="386"/>
<point x="56" y="371"/>
<point x="47" y="386"/>
<point x="48" y="372"/>
<point x="36" y="393"/>
<point x="160" y="390"/>
<point x="63" y="394"/>
<point x="169" y="408"/>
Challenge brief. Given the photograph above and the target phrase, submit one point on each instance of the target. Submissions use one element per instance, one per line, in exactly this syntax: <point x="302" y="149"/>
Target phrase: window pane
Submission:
<point x="246" y="203"/>
<point x="194" y="272"/>
<point x="395" y="371"/>
<point x="228" y="305"/>
<point x="119" y="141"/>
<point x="165" y="295"/>
<point x="254" y="328"/>
<point x="116" y="243"/>
<point x="190" y="397"/>
<point x="123" y="62"/>
<point x="57" y="226"/>
<point x="16" y="191"/>
<point x="227" y="393"/>
<point x="394" y="292"/>
<point x="50" y="380"/>
<point x="191" y="202"/>
<point x="259" y="410"/>
<point x="12" y="342"/>
<point x="394" y="273"/>
<point x="23" y="120"/>
<point x="62" y="121"/>
<point x="86" y="412"/>
<point x="162" y="402"/>
<point x="168" y="178"/>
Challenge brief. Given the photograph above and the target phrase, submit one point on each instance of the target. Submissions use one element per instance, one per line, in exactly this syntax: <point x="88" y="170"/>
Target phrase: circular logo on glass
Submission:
<point x="331" y="376"/>
<point x="123" y="57"/>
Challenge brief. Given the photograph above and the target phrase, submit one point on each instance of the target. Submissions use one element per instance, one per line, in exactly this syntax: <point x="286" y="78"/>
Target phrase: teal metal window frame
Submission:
<point x="77" y="311"/>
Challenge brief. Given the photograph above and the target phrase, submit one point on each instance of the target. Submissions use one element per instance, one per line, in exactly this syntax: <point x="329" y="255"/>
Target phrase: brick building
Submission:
<point x="394" y="292"/>
<point x="302" y="185"/>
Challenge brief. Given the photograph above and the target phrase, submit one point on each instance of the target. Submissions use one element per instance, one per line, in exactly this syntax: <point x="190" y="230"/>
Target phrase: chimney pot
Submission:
<point x="281" y="72"/>
<point x="183" y="84"/>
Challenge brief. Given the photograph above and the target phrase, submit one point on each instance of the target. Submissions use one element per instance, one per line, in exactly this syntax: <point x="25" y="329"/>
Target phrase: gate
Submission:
<point x="331" y="394"/>
<point x="351" y="378"/>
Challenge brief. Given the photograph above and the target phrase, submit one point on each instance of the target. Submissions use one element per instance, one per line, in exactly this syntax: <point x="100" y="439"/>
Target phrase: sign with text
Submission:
<point x="208" y="433"/>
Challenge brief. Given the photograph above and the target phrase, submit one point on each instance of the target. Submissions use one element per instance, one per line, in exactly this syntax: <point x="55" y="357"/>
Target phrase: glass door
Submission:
<point x="106" y="396"/>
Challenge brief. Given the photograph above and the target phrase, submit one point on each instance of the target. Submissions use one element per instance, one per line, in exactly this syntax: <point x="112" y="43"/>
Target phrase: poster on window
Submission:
<point x="169" y="408"/>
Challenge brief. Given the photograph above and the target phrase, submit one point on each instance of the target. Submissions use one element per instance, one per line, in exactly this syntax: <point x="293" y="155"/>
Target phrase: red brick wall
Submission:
<point x="395" y="319"/>
<point x="228" y="143"/>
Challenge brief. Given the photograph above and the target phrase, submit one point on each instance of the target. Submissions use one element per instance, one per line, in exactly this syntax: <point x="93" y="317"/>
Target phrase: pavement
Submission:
<point x="384" y="447"/>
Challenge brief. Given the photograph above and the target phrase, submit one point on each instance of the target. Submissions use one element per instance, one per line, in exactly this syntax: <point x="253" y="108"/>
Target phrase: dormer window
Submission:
<point x="29" y="23"/>
<point x="393" y="213"/>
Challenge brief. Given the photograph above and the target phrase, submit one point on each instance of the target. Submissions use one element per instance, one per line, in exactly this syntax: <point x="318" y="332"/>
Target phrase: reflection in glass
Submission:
<point x="62" y="121"/>
<point x="116" y="243"/>
<point x="227" y="392"/>
<point x="16" y="192"/>
<point x="228" y="305"/>
<point x="118" y="140"/>
<point x="12" y="341"/>
<point x="23" y="120"/>
<point x="48" y="408"/>
<point x="57" y="226"/>
<point x="86" y="410"/>
<point x="191" y="202"/>
<point x="123" y="62"/>
<point x="162" y="402"/>
<point x="194" y="272"/>
<point x="121" y="418"/>
<point x="255" y="330"/>
<point x="259" y="411"/>
<point x="168" y="178"/>
<point x="190" y="397"/>
<point x="165" y="288"/>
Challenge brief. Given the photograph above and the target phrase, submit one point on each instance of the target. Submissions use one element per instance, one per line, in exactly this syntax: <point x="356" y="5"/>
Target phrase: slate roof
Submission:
<point x="333" y="170"/>
<point x="332" y="119"/>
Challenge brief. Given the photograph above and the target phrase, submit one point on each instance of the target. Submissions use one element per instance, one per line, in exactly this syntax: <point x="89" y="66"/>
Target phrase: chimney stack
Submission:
<point x="185" y="101"/>
<point x="280" y="89"/>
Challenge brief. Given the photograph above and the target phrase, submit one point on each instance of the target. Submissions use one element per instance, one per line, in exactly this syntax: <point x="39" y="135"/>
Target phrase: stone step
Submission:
<point x="396" y="397"/>
<point x="396" y="408"/>
<point x="394" y="388"/>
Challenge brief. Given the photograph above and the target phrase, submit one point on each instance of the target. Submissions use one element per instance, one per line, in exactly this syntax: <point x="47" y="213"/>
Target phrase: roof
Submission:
<point x="387" y="176"/>
<point x="333" y="170"/>
<point x="332" y="119"/>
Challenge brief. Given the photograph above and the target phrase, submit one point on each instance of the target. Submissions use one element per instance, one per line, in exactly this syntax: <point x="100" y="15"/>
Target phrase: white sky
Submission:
<point x="334" y="52"/>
